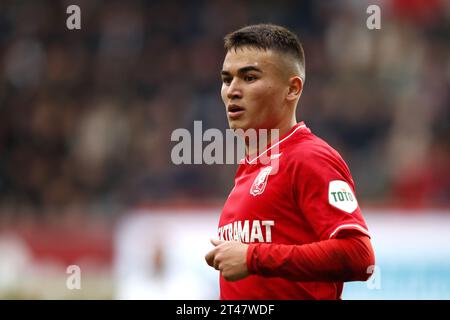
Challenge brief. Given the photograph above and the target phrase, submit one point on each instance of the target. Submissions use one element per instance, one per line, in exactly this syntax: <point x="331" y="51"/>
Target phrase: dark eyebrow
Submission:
<point x="242" y="70"/>
<point x="249" y="68"/>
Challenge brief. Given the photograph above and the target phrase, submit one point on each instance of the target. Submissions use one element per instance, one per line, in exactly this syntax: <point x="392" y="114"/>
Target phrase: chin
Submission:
<point x="234" y="125"/>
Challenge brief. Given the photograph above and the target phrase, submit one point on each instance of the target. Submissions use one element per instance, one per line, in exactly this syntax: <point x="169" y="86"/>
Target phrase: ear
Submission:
<point x="295" y="88"/>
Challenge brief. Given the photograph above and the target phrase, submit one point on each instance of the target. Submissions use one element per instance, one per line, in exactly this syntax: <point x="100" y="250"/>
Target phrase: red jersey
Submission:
<point x="309" y="198"/>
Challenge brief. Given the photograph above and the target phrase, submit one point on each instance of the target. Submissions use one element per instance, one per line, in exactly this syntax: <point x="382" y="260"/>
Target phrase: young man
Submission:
<point x="297" y="233"/>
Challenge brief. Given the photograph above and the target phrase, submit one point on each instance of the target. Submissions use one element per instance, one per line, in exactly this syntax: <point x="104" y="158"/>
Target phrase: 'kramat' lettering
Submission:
<point x="247" y="231"/>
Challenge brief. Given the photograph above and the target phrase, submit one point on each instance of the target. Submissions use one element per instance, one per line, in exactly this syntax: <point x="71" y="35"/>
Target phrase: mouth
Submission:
<point x="235" y="111"/>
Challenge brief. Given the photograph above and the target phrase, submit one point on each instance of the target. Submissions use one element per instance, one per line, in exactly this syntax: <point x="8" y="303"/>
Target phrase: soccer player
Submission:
<point x="297" y="233"/>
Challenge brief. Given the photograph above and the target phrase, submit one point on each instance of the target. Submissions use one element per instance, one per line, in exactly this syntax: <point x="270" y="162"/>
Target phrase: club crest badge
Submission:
<point x="260" y="182"/>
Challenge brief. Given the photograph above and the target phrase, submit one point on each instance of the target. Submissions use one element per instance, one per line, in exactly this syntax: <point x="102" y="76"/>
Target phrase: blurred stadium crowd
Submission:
<point x="86" y="115"/>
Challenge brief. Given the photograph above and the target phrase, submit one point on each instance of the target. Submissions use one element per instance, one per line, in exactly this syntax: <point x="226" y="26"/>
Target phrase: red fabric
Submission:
<point x="344" y="259"/>
<point x="294" y="205"/>
<point x="417" y="12"/>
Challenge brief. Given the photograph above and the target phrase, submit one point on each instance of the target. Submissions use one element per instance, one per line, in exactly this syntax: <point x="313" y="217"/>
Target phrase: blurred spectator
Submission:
<point x="86" y="116"/>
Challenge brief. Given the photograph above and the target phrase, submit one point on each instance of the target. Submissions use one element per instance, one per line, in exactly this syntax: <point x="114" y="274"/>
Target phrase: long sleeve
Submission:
<point x="339" y="259"/>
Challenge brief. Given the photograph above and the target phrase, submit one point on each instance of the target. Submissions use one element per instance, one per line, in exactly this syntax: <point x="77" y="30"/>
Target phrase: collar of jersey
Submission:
<point x="286" y="136"/>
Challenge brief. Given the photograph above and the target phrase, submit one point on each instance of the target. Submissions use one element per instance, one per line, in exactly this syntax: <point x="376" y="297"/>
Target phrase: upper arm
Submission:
<point x="326" y="196"/>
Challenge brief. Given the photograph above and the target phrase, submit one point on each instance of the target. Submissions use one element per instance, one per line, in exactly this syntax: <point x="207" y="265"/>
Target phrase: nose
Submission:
<point x="234" y="91"/>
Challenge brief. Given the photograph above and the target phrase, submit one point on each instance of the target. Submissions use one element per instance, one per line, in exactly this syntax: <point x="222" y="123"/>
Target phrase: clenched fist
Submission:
<point x="230" y="257"/>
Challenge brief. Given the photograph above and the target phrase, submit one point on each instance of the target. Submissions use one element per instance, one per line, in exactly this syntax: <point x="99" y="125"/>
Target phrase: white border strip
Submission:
<point x="350" y="226"/>
<point x="265" y="151"/>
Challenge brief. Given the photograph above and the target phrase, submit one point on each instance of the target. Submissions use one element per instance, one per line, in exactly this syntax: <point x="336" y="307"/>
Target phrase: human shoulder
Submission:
<point x="311" y="150"/>
<point x="313" y="160"/>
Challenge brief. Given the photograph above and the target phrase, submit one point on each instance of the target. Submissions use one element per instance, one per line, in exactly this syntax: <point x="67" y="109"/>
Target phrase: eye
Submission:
<point x="249" y="78"/>
<point x="226" y="80"/>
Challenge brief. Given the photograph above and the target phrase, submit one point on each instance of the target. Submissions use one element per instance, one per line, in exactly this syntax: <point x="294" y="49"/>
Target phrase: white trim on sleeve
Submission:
<point x="350" y="226"/>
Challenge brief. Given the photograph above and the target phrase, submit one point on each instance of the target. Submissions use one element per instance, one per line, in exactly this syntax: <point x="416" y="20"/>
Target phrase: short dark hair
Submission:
<point x="267" y="37"/>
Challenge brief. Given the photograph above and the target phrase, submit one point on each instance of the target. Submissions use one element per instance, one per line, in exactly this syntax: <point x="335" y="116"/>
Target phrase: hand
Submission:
<point x="230" y="257"/>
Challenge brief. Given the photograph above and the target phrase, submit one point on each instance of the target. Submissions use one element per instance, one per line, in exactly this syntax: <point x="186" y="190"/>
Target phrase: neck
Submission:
<point x="261" y="143"/>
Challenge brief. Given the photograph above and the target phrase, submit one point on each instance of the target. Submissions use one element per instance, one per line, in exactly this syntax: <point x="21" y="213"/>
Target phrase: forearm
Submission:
<point x="345" y="259"/>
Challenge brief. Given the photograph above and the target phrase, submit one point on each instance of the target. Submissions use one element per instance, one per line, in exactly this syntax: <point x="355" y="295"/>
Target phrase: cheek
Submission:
<point x="266" y="96"/>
